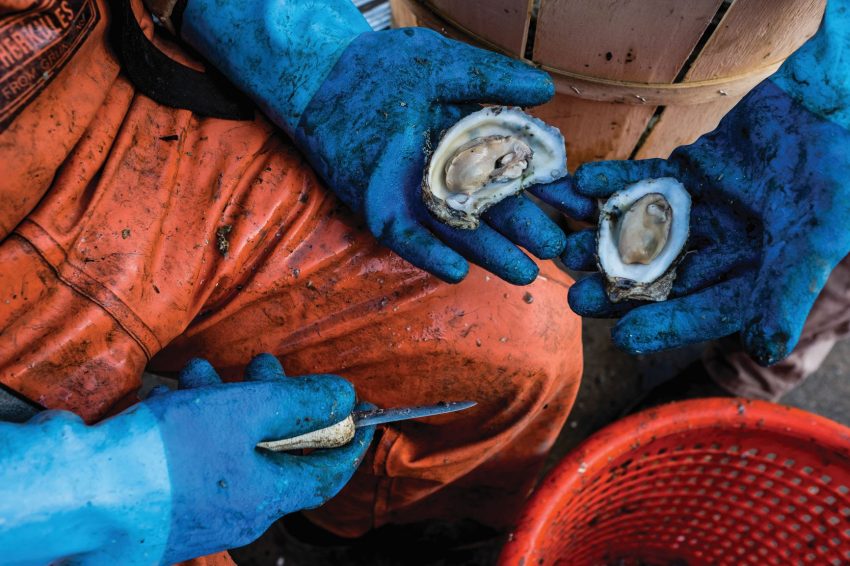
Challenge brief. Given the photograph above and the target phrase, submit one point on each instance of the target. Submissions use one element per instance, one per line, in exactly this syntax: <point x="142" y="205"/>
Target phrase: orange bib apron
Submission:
<point x="138" y="235"/>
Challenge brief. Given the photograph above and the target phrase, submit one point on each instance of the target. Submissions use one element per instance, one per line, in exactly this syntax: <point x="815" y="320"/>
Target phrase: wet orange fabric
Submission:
<point x="39" y="139"/>
<point x="331" y="300"/>
<point x="220" y="559"/>
<point x="162" y="236"/>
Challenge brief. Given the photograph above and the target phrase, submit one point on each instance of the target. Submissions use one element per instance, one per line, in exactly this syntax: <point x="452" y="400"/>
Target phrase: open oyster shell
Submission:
<point x="486" y="157"/>
<point x="642" y="237"/>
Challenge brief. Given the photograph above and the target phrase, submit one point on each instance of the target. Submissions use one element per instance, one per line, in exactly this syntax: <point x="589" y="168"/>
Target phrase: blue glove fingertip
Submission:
<point x="488" y="248"/>
<point x="451" y="273"/>
<point x="523" y="223"/>
<point x="584" y="297"/>
<point x="333" y="387"/>
<point x="552" y="246"/>
<point x="604" y="178"/>
<point x="588" y="297"/>
<point x="519" y="272"/>
<point x="598" y="180"/>
<point x="769" y="343"/>
<point x="562" y="195"/>
<point x="580" y="252"/>
<point x="198" y="372"/>
<point x="479" y="75"/>
<point x="436" y="259"/>
<point x="766" y="348"/>
<point x="639" y="332"/>
<point x="365" y="406"/>
<point x="418" y="246"/>
<point x="264" y="367"/>
<point x="533" y="86"/>
<point x="624" y="338"/>
<point x="451" y="268"/>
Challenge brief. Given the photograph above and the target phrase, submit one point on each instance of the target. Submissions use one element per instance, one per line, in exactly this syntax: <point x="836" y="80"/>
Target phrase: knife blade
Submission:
<point x="382" y="416"/>
<point x="342" y="432"/>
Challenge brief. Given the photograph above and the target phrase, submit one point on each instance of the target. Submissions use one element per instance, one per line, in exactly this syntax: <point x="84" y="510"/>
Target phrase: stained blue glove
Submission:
<point x="364" y="106"/>
<point x="771" y="203"/>
<point x="176" y="476"/>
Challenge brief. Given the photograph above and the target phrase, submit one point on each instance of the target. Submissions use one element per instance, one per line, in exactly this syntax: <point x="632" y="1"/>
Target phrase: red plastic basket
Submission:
<point x="711" y="481"/>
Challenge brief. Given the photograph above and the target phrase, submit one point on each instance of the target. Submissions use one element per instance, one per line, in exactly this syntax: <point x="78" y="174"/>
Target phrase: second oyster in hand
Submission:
<point x="643" y="232"/>
<point x="486" y="157"/>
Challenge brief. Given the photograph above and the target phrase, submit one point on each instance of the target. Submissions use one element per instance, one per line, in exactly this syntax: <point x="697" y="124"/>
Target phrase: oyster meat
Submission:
<point x="642" y="237"/>
<point x="486" y="157"/>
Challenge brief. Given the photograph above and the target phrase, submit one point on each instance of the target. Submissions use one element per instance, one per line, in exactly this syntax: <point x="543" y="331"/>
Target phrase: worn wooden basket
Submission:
<point x="635" y="78"/>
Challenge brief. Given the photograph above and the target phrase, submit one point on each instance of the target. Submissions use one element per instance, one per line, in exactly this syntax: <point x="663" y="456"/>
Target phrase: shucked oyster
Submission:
<point x="486" y="157"/>
<point x="643" y="231"/>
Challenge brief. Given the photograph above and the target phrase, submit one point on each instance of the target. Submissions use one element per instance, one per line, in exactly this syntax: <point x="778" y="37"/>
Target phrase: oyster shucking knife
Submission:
<point x="342" y="432"/>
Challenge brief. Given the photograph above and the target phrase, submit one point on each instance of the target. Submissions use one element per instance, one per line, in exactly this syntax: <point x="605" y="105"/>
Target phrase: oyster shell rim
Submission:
<point x="619" y="288"/>
<point x="469" y="221"/>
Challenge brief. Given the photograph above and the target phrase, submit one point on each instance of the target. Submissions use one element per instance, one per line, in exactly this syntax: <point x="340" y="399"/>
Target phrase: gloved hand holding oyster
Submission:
<point x="771" y="199"/>
<point x="366" y="108"/>
<point x="768" y="224"/>
<point x="464" y="208"/>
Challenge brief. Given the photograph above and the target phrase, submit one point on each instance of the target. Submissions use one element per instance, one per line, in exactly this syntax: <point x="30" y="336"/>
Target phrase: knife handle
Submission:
<point x="334" y="436"/>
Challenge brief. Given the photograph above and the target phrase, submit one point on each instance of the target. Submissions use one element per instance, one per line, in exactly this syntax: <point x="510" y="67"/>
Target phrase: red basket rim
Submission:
<point x="623" y="436"/>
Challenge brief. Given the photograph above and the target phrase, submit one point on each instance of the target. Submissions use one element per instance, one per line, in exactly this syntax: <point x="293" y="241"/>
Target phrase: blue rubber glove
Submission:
<point x="364" y="106"/>
<point x="174" y="477"/>
<point x="771" y="190"/>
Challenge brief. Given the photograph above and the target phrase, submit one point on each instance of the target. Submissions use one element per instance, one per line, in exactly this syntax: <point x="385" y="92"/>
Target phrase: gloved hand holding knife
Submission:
<point x="178" y="475"/>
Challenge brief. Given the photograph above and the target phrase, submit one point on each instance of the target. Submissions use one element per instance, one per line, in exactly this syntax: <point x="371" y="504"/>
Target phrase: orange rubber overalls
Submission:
<point x="134" y="235"/>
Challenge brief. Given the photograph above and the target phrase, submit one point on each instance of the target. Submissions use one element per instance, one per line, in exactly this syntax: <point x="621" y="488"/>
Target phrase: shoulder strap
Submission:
<point x="168" y="82"/>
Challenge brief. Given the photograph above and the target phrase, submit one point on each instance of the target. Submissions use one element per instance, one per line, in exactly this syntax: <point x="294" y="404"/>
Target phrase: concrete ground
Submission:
<point x="827" y="392"/>
<point x="613" y="380"/>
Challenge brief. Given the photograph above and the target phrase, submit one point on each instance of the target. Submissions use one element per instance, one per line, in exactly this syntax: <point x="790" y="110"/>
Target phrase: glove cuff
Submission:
<point x="278" y="53"/>
<point x="816" y="75"/>
<point x="93" y="492"/>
